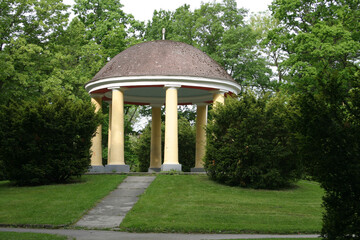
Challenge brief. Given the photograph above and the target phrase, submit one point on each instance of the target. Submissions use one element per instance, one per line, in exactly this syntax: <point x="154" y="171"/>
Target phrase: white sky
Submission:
<point x="143" y="9"/>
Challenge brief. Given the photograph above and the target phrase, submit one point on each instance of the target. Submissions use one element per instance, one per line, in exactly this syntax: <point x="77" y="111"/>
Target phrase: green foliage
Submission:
<point x="219" y="30"/>
<point x="46" y="140"/>
<point x="330" y="144"/>
<point x="265" y="27"/>
<point x="186" y="140"/>
<point x="107" y="25"/>
<point x="142" y="148"/>
<point x="249" y="144"/>
<point x="2" y="171"/>
<point x="323" y="42"/>
<point x="28" y="29"/>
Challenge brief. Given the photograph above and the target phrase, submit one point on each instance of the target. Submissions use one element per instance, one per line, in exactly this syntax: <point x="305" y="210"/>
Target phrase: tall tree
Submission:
<point x="323" y="42"/>
<point x="74" y="61"/>
<point x="266" y="27"/>
<point x="108" y="25"/>
<point x="28" y="28"/>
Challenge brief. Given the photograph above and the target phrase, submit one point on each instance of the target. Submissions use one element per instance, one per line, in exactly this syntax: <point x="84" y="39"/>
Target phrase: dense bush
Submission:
<point x="187" y="144"/>
<point x="248" y="144"/>
<point x="331" y="148"/>
<point x="186" y="139"/>
<point x="46" y="140"/>
<point x="142" y="149"/>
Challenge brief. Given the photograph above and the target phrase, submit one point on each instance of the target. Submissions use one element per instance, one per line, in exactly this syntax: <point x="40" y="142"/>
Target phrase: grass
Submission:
<point x="30" y="236"/>
<point x="61" y="204"/>
<point x="181" y="203"/>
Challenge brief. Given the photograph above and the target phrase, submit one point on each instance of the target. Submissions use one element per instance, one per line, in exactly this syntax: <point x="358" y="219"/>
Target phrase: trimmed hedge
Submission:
<point x="46" y="140"/>
<point x="249" y="145"/>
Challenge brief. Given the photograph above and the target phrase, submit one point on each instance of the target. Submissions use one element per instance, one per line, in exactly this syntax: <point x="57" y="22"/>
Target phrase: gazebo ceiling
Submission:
<point x="146" y="68"/>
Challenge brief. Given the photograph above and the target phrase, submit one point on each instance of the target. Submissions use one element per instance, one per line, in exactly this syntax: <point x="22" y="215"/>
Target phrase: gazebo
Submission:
<point x="157" y="73"/>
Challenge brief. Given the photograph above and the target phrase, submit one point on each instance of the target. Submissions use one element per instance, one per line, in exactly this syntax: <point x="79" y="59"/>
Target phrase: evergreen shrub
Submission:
<point x="46" y="140"/>
<point x="2" y="171"/>
<point x="249" y="144"/>
<point x="330" y="144"/>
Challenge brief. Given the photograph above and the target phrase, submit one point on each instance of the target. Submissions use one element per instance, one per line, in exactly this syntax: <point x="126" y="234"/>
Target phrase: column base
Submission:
<point x="96" y="169"/>
<point x="152" y="170"/>
<point x="117" y="168"/>
<point x="198" y="170"/>
<point x="171" y="167"/>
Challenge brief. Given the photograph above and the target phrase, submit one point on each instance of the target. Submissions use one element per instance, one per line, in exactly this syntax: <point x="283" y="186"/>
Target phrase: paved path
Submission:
<point x="110" y="212"/>
<point x="113" y="235"/>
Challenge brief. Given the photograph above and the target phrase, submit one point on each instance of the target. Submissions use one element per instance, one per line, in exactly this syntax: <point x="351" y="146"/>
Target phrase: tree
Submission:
<point x="74" y="61"/>
<point x="28" y="28"/>
<point x="323" y="43"/>
<point x="266" y="27"/>
<point x="108" y="25"/>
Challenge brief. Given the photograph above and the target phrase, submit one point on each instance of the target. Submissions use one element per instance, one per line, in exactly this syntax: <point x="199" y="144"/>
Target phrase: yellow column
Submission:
<point x="109" y="133"/>
<point x="117" y="161"/>
<point x="201" y="121"/>
<point x="155" y="150"/>
<point x="96" y="148"/>
<point x="219" y="97"/>
<point x="171" y="161"/>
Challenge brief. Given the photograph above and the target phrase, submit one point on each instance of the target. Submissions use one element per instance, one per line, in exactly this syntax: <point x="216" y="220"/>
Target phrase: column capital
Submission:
<point x="173" y="86"/>
<point x="201" y="104"/>
<point x="96" y="95"/>
<point x="219" y="91"/>
<point x="119" y="88"/>
<point x="159" y="105"/>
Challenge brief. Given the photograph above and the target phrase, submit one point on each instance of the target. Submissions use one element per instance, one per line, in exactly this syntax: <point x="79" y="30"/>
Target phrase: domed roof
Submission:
<point x="145" y="70"/>
<point x="163" y="58"/>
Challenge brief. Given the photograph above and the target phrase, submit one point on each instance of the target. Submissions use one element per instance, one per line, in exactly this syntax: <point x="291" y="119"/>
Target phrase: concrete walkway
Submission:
<point x="110" y="212"/>
<point x="113" y="235"/>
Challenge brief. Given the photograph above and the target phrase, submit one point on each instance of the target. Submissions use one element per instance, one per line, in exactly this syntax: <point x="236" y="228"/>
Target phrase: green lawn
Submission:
<point x="53" y="204"/>
<point x="30" y="236"/>
<point x="181" y="203"/>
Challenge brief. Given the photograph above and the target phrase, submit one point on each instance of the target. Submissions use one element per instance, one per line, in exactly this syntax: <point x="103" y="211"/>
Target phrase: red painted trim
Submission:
<point x="136" y="103"/>
<point x="106" y="98"/>
<point x="201" y="88"/>
<point x="103" y="90"/>
<point x="186" y="103"/>
<point x="143" y="86"/>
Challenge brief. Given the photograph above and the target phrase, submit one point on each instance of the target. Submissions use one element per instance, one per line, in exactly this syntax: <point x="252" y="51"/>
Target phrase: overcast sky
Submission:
<point x="143" y="9"/>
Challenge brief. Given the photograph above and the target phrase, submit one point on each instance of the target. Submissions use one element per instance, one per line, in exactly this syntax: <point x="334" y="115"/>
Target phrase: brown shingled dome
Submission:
<point x="165" y="58"/>
<point x="145" y="70"/>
